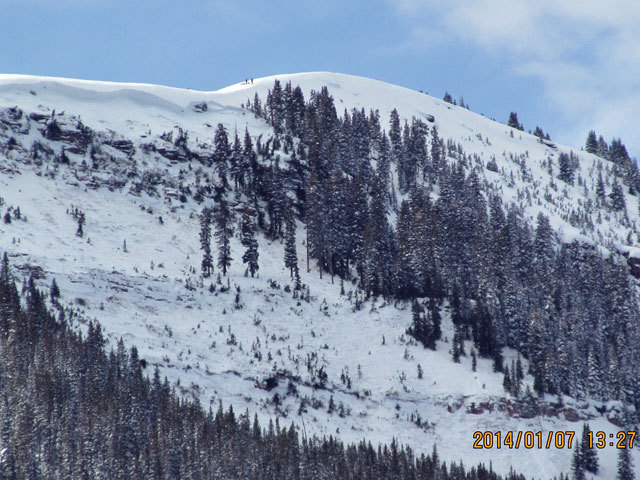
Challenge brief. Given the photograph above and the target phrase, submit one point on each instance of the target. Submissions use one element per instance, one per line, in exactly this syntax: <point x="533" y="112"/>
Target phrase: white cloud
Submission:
<point x="585" y="53"/>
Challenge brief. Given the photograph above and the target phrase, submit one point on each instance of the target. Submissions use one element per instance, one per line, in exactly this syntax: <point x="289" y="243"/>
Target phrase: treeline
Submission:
<point x="71" y="410"/>
<point x="617" y="153"/>
<point x="406" y="214"/>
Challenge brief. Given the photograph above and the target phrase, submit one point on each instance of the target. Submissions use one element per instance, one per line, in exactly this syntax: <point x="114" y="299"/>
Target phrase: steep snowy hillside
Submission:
<point x="139" y="111"/>
<point x="135" y="160"/>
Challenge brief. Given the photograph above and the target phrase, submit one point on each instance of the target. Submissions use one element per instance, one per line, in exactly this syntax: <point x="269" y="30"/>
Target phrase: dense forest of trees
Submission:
<point x="445" y="234"/>
<point x="71" y="410"/>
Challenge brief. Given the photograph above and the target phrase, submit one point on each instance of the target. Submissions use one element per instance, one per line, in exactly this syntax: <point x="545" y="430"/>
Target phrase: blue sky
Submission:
<point x="566" y="66"/>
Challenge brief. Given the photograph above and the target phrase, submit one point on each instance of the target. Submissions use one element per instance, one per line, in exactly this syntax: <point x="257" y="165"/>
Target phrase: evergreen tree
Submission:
<point x="617" y="197"/>
<point x="383" y="169"/>
<point x="618" y="152"/>
<point x="421" y="327"/>
<point x="379" y="249"/>
<point x="295" y="113"/>
<point x="566" y="168"/>
<point x="498" y="359"/>
<point x="276" y="200"/>
<point x="236" y="163"/>
<point x="54" y="291"/>
<point x="205" y="242"/>
<point x="513" y="121"/>
<point x="290" y="251"/>
<point x="256" y="106"/>
<point x="543" y="251"/>
<point x="507" y="381"/>
<point x="81" y="221"/>
<point x="600" y="190"/>
<point x="518" y="376"/>
<point x="375" y="130"/>
<point x="589" y="455"/>
<point x="538" y="132"/>
<point x="457" y="348"/>
<point x="275" y="107"/>
<point x="438" y="154"/>
<point x="591" y="144"/>
<point x="317" y="219"/>
<point x="483" y="331"/>
<point x="224" y="232"/>
<point x="625" y="468"/>
<point x="577" y="465"/>
<point x="53" y="130"/>
<point x="603" y="148"/>
<point x="248" y="240"/>
<point x="395" y="136"/>
<point x="221" y="156"/>
<point x="595" y="377"/>
<point x="247" y="177"/>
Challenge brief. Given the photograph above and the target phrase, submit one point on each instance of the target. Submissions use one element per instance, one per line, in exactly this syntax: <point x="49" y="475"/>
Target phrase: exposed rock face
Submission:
<point x="634" y="265"/>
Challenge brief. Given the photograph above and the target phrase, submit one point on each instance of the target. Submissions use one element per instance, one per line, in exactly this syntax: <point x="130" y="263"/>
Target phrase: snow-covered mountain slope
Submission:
<point x="140" y="111"/>
<point x="136" y="270"/>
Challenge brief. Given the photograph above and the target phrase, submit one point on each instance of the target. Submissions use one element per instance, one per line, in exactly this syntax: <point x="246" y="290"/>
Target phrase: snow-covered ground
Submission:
<point x="223" y="345"/>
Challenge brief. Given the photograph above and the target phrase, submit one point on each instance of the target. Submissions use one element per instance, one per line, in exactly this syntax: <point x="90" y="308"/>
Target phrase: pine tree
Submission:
<point x="618" y="152"/>
<point x="625" y="469"/>
<point x="256" y="106"/>
<point x="316" y="219"/>
<point x="543" y="251"/>
<point x="419" y="328"/>
<point x="576" y="464"/>
<point x="591" y="144"/>
<point x="594" y="376"/>
<point x="566" y="169"/>
<point x="248" y="240"/>
<point x="290" y="251"/>
<point x="617" y="197"/>
<point x="5" y="273"/>
<point x="236" y="163"/>
<point x="221" y="157"/>
<point x="205" y="242"/>
<point x="247" y="164"/>
<point x="513" y="121"/>
<point x="438" y="153"/>
<point x="434" y="316"/>
<point x="517" y="376"/>
<point x="275" y="107"/>
<point x="81" y="221"/>
<point x="506" y="381"/>
<point x="224" y="232"/>
<point x="589" y="454"/>
<point x="54" y="291"/>
<point x="603" y="148"/>
<point x="457" y="348"/>
<point x="53" y="130"/>
<point x="276" y="200"/>
<point x="498" y="359"/>
<point x="379" y="249"/>
<point x="600" y="190"/>
<point x="395" y="135"/>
